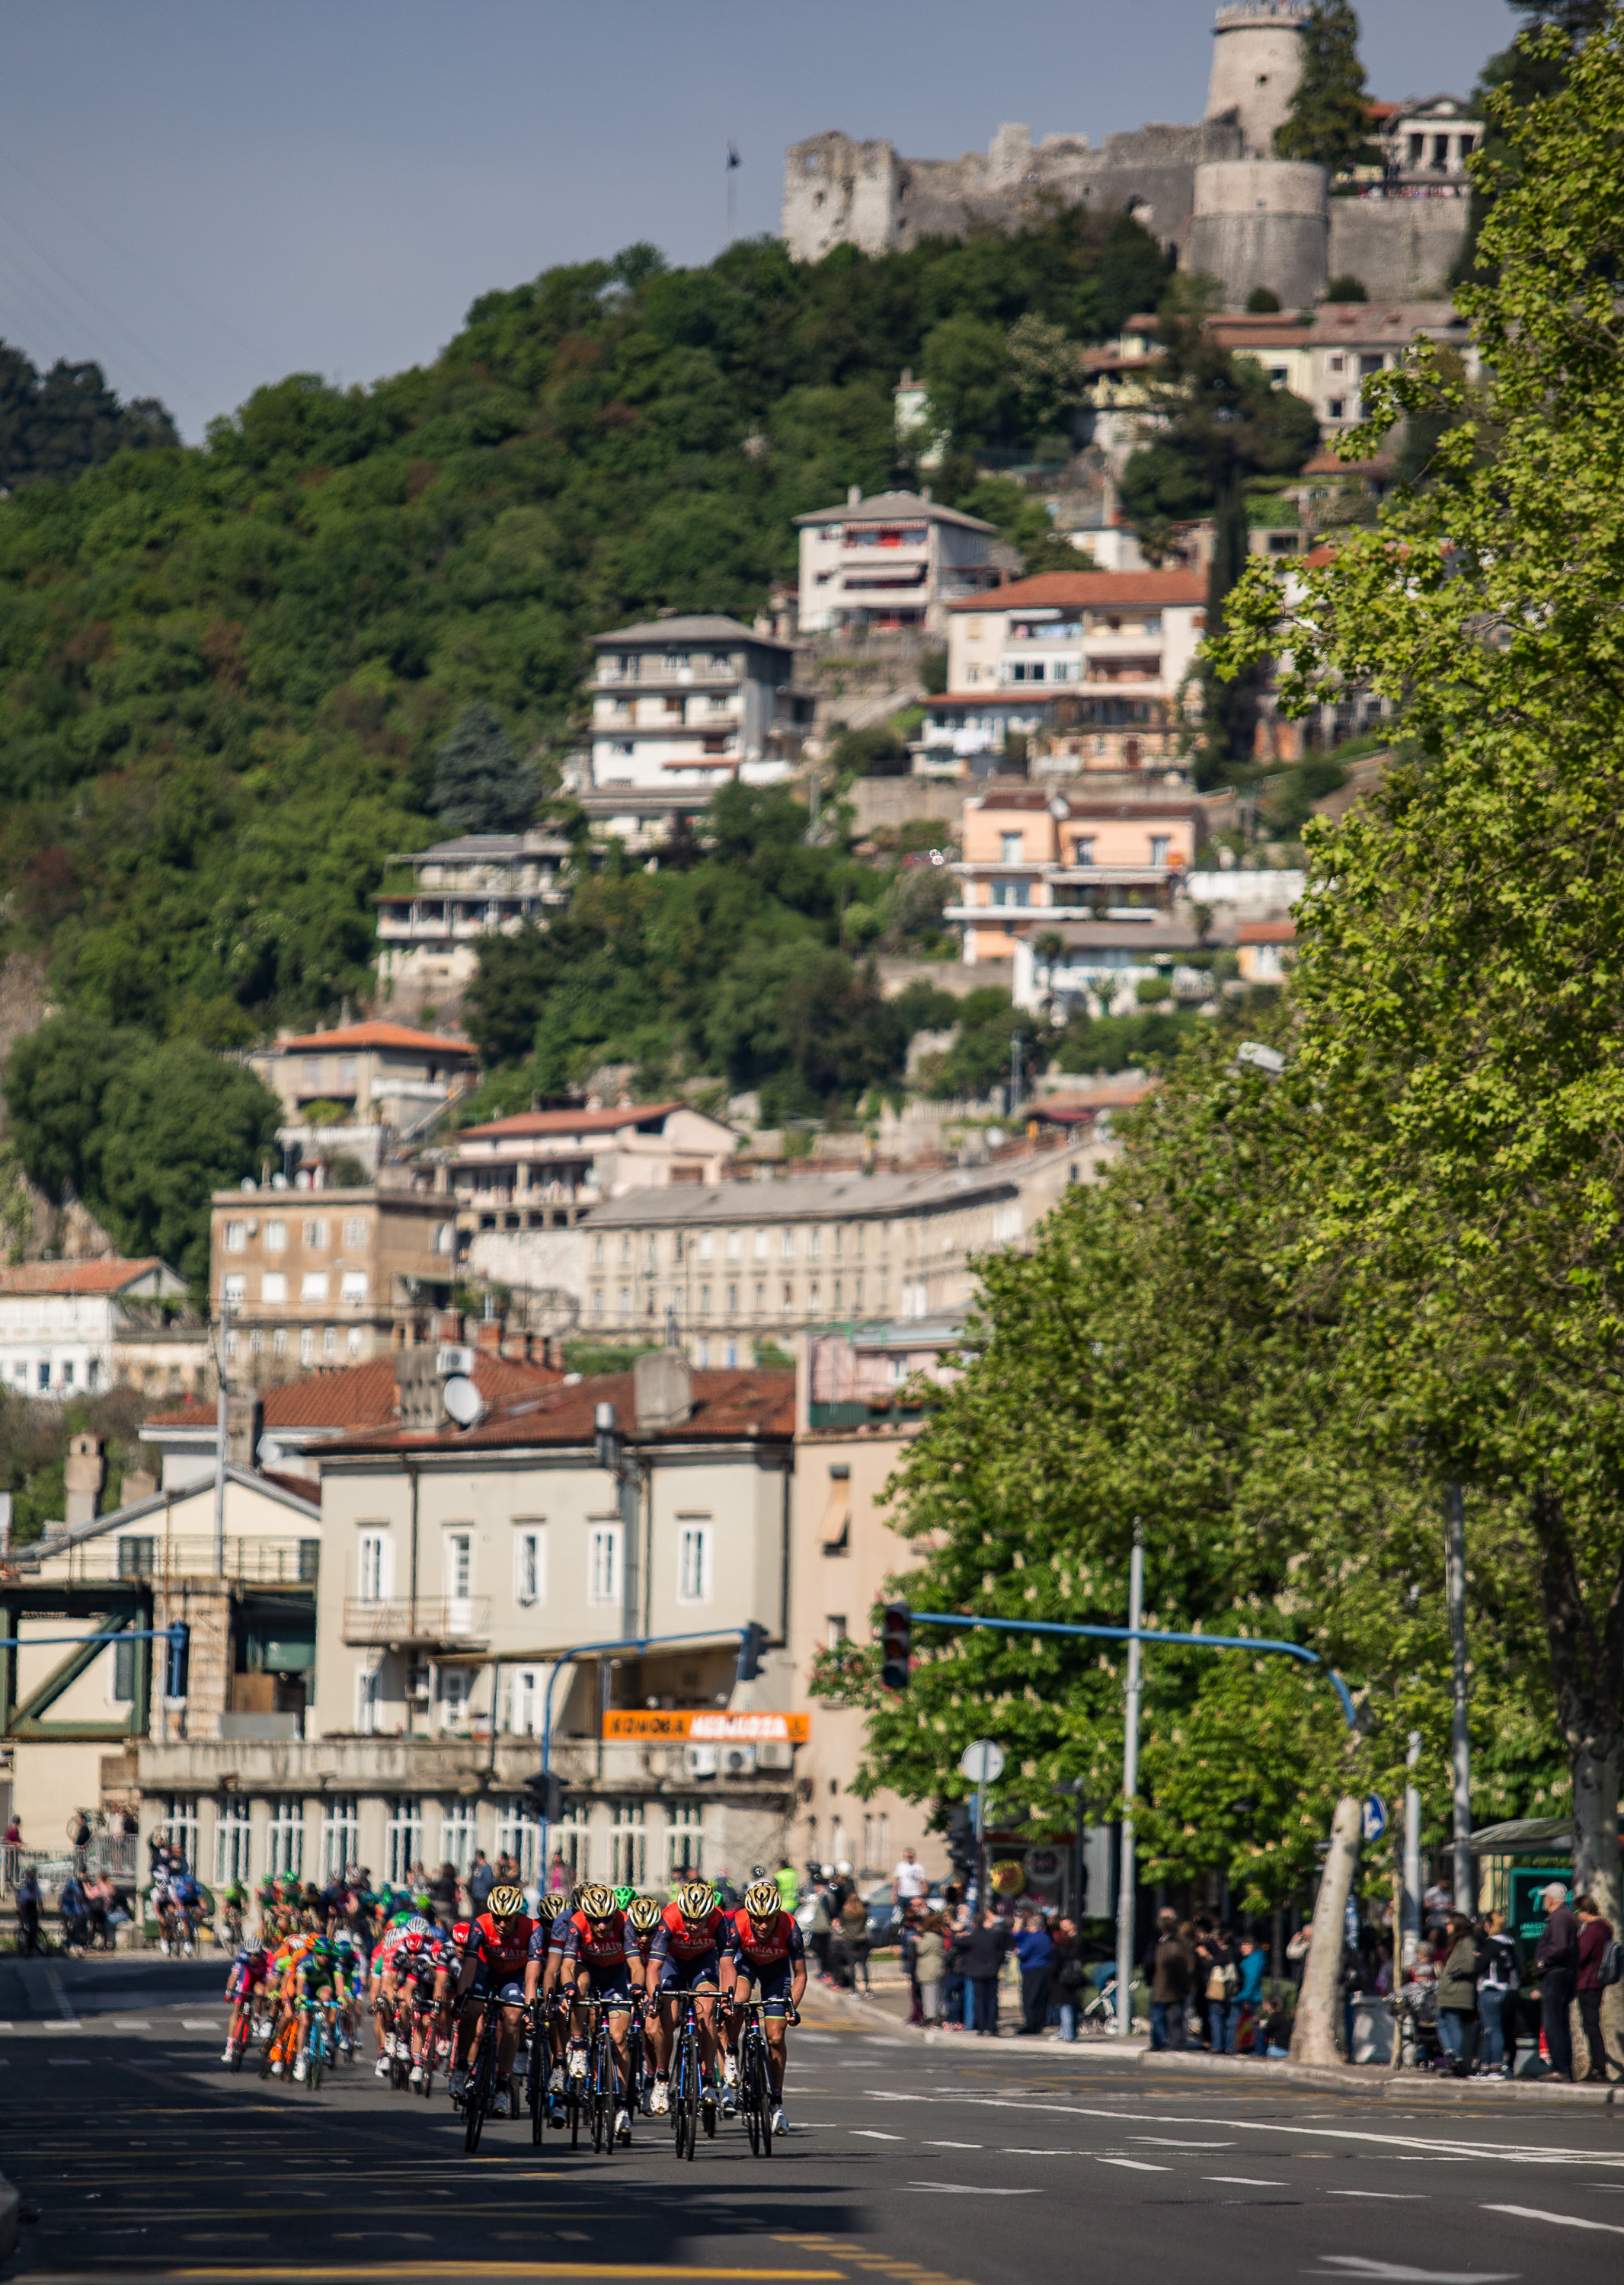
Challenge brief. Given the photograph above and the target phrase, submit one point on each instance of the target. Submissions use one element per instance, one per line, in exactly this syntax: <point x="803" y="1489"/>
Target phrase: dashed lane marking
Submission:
<point x="1563" y="2221"/>
<point x="1246" y="2182"/>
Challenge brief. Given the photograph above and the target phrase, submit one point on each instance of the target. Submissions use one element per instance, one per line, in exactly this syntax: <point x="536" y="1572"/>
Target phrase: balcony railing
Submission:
<point x="428" y="1619"/>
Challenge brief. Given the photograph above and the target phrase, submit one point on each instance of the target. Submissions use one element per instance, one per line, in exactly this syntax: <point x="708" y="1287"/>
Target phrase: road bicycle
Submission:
<point x="481" y="2090"/>
<point x="430" y="2043"/>
<point x="686" y="2107"/>
<point x="319" y="2043"/>
<point x="538" y="2073"/>
<point x="755" y="2080"/>
<point x="637" y="2058"/>
<point x="601" y="2090"/>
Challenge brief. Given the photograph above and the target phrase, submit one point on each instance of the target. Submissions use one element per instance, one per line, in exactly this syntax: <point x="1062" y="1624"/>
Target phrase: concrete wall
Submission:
<point x="1403" y="249"/>
<point x="1261" y="222"/>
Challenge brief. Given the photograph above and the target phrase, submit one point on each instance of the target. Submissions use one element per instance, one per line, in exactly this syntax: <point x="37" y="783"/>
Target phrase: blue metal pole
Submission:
<point x="1143" y="1635"/>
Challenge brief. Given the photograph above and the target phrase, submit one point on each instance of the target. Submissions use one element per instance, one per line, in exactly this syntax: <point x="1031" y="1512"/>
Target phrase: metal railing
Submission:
<point x="429" y="1619"/>
<point x="118" y="1853"/>
<point x="249" y="1562"/>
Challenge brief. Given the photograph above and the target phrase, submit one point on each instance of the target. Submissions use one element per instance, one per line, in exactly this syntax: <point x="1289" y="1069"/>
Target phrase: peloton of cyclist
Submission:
<point x="387" y="1954"/>
<point x="318" y="1982"/>
<point x="591" y="1952"/>
<point x="685" y="1955"/>
<point x="498" y="1950"/>
<point x="765" y="1946"/>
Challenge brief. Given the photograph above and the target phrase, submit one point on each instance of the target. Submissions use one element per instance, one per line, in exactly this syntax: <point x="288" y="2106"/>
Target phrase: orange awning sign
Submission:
<point x="678" y="1723"/>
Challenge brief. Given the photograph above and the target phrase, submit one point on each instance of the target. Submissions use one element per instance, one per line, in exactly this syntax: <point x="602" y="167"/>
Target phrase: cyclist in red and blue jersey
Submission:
<point x="765" y="1947"/>
<point x="592" y="1954"/>
<point x="685" y="1954"/>
<point x="498" y="1952"/>
<point x="249" y="1984"/>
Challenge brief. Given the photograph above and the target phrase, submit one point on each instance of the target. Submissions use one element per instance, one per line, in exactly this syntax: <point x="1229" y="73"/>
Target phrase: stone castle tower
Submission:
<point x="1257" y="62"/>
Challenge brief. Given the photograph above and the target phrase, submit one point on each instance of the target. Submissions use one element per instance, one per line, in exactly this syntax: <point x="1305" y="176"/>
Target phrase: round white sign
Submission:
<point x="982" y="1763"/>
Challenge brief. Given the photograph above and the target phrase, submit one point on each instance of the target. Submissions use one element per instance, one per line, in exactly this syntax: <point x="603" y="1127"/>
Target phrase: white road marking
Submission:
<point x="1355" y="2264"/>
<point x="1139" y="2165"/>
<point x="868" y="2133"/>
<point x="65" y="2006"/>
<point x="1566" y="2221"/>
<point x="1169" y="2142"/>
<point x="124" y="2023"/>
<point x="1014" y="2150"/>
<point x="1246" y="2182"/>
<point x="1389" y="2197"/>
<point x="972" y="2190"/>
<point x="952" y="2146"/>
<point x="212" y="2024"/>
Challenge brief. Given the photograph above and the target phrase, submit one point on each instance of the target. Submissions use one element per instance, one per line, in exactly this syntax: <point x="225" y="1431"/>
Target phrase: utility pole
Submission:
<point x="1411" y="1929"/>
<point x="1459" y="1733"/>
<point x="1125" y="1881"/>
<point x="220" y="1402"/>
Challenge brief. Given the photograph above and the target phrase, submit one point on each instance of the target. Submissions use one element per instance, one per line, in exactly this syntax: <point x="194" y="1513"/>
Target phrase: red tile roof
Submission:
<point x="1265" y="932"/>
<point x="570" y="1122"/>
<point x="375" y="1035"/>
<point x="728" y="1407"/>
<point x="361" y="1396"/>
<point x="1100" y="590"/>
<point x="75" y="1277"/>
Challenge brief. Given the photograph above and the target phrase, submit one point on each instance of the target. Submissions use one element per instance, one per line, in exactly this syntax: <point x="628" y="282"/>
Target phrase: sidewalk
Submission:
<point x="1364" y="2081"/>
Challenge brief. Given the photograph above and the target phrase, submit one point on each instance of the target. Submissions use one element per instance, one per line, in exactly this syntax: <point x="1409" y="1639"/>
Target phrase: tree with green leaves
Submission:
<point x="1212" y="422"/>
<point x="481" y="784"/>
<point x="1460" y="1011"/>
<point x="1329" y="120"/>
<point x="55" y="424"/>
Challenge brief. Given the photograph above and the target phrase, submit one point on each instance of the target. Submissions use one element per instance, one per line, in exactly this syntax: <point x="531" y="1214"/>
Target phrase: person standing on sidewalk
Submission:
<point x="1457" y="1996"/>
<point x="1068" y="1975"/>
<point x="1595" y="1936"/>
<point x="1034" y="1948"/>
<point x="1220" y="1965"/>
<point x="978" y="1955"/>
<point x="1172" y="1970"/>
<point x="1556" y="1963"/>
<point x="1247" y="2001"/>
<point x="1499" y="1976"/>
<point x="929" y="1961"/>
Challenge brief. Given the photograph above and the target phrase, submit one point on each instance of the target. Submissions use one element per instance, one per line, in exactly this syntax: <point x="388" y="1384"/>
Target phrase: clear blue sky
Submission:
<point x="205" y="196"/>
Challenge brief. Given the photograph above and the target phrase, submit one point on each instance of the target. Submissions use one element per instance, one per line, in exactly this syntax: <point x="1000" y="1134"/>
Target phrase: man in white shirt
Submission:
<point x="909" y="1882"/>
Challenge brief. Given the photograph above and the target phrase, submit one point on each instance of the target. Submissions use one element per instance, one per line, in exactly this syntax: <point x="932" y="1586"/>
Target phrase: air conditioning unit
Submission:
<point x="738" y="1761"/>
<point x="775" y="1754"/>
<point x="453" y="1357"/>
<point x="701" y="1760"/>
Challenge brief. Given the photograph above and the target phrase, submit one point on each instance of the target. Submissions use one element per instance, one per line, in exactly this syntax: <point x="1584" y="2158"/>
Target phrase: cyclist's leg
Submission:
<point x="704" y="1995"/>
<point x="777" y="2050"/>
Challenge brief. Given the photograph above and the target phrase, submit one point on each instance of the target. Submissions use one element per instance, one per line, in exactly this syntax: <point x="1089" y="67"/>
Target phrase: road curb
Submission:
<point x="1367" y="2080"/>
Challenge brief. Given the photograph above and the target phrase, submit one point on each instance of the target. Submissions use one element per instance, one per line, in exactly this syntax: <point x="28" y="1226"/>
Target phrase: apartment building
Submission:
<point x="1096" y="663"/>
<point x="371" y="1074"/>
<point x="76" y="1722"/>
<point x="326" y="1275"/>
<point x="523" y="1184"/>
<point x="1104" y="876"/>
<point x="732" y="1268"/>
<point x="79" y="1327"/>
<point x="461" y="1572"/>
<point x="894" y="561"/>
<point x="481" y="884"/>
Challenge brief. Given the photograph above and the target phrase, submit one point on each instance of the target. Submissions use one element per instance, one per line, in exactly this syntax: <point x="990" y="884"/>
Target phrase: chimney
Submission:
<point x="854" y="496"/>
<point x="663" y="1389"/>
<point x="85" y="1472"/>
<point x="487" y="1336"/>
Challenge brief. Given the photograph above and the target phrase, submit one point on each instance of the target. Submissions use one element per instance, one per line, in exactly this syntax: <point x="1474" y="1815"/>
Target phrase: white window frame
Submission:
<point x="517" y="1835"/>
<point x="454" y="1690"/>
<point x="275" y="1240"/>
<point x="603" y="1555"/>
<point x="696" y="1569"/>
<point x="234" y="1286"/>
<point x="526" y="1693"/>
<point x="273" y="1287"/>
<point x="530" y="1565"/>
<point x="180" y="1822"/>
<point x="403" y="1837"/>
<point x="685" y="1840"/>
<point x="340" y="1833"/>
<point x="375" y="1566"/>
<point x="457" y="1835"/>
<point x="233" y="1829"/>
<point x="355" y="1287"/>
<point x="572" y="1841"/>
<point x="313" y="1285"/>
<point x="628" y="1846"/>
<point x="285" y="1837"/>
<point x="369" y="1698"/>
<point x="458" y="1559"/>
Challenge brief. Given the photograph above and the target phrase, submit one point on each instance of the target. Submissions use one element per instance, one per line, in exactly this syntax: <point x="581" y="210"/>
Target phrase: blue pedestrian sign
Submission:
<point x="1375" y="1818"/>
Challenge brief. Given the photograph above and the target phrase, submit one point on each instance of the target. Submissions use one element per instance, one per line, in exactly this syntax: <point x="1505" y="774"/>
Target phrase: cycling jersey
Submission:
<point x="683" y="1940"/>
<point x="758" y="1948"/>
<point x="502" y="1948"/>
<point x="249" y="1968"/>
<point x="390" y="1952"/>
<point x="596" y="1944"/>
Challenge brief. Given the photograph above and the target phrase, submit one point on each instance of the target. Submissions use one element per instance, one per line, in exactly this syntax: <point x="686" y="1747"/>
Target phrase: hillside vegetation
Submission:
<point x="226" y="671"/>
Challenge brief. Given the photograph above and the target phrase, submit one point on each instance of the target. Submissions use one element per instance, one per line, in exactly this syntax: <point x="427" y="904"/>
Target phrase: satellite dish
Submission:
<point x="269" y="1451"/>
<point x="463" y="1401"/>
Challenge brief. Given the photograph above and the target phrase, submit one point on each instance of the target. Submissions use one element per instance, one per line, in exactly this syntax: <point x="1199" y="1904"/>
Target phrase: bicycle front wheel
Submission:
<point x="761" y="2095"/>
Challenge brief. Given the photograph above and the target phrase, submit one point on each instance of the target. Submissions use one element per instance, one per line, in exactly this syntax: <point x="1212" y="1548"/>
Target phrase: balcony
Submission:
<point x="161" y="1560"/>
<point x="431" y="1621"/>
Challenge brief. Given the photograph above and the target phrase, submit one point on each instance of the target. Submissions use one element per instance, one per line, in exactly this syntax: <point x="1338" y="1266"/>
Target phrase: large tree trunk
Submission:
<point x="1314" y="2033"/>
<point x="1587" y="1672"/>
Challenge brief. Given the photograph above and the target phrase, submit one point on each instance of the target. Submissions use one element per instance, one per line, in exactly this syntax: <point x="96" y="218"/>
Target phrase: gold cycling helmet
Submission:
<point x="643" y="1914"/>
<point x="762" y="1900"/>
<point x="551" y="1907"/>
<point x="597" y="1902"/>
<point x="505" y="1903"/>
<point x="697" y="1900"/>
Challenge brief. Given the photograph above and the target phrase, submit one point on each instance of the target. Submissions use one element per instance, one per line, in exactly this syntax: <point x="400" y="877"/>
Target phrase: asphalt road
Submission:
<point x="1006" y="2164"/>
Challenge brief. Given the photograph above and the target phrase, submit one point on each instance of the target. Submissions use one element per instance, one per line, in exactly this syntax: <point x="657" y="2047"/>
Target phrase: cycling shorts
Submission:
<point x="611" y="1980"/>
<point x="509" y="1992"/>
<point x="774" y="1981"/>
<point x="701" y="1974"/>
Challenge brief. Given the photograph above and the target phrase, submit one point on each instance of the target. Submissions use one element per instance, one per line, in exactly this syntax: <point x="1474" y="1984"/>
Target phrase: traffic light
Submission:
<point x="179" y="1659"/>
<point x="961" y="1841"/>
<point x="896" y="1637"/>
<point x="751" y="1639"/>
<point x="549" y="1790"/>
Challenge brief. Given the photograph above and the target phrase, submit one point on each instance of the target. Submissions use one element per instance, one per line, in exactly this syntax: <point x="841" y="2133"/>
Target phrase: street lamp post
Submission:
<point x="1127" y="1876"/>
